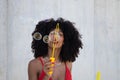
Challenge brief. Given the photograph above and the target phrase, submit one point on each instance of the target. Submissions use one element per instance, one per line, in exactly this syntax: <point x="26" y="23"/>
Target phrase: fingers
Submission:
<point x="48" y="66"/>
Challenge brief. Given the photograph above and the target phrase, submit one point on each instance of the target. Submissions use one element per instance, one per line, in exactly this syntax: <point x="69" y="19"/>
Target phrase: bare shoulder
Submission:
<point x="34" y="67"/>
<point x="69" y="64"/>
<point x="34" y="64"/>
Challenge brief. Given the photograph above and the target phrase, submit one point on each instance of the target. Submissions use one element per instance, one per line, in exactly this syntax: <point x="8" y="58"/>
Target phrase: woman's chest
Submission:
<point x="59" y="73"/>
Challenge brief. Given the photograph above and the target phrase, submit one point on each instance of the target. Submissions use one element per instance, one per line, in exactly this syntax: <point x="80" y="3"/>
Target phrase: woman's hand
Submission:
<point x="48" y="66"/>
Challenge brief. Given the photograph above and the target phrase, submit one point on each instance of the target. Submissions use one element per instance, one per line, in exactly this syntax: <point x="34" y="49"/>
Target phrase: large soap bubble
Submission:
<point x="54" y="36"/>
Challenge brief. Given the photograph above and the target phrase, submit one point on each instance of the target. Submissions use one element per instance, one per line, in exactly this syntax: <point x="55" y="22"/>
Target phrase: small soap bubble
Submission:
<point x="33" y="50"/>
<point x="45" y="39"/>
<point x="37" y="36"/>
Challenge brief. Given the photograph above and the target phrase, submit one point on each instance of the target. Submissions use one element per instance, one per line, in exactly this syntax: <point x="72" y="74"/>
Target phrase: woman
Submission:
<point x="67" y="44"/>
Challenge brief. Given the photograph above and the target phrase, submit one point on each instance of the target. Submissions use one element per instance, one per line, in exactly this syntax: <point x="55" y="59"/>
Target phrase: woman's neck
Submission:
<point x="56" y="53"/>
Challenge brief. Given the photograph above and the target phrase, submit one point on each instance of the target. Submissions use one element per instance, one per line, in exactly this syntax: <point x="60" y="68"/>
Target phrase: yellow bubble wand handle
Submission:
<point x="52" y="58"/>
<point x="98" y="76"/>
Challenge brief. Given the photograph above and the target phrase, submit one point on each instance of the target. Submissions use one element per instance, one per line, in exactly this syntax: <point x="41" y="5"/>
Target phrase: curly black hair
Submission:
<point x="72" y="39"/>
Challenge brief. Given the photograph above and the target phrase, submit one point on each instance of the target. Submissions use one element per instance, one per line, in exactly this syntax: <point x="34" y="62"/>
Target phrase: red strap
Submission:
<point x="42" y="75"/>
<point x="41" y="61"/>
<point x="68" y="73"/>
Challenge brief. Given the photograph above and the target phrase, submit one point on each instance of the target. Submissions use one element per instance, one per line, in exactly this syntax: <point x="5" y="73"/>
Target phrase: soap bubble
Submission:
<point x="54" y="36"/>
<point x="33" y="50"/>
<point x="45" y="39"/>
<point x="37" y="36"/>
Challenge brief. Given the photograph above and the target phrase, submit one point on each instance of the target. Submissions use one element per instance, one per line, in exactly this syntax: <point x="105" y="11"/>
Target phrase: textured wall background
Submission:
<point x="3" y="39"/>
<point x="97" y="20"/>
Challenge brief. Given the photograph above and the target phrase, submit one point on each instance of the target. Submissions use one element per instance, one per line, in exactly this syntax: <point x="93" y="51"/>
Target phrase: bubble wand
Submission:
<point x="98" y="76"/>
<point x="52" y="58"/>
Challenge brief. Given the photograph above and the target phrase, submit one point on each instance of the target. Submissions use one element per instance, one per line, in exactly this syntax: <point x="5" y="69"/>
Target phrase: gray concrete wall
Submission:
<point x="107" y="38"/>
<point x="3" y="39"/>
<point x="97" y="21"/>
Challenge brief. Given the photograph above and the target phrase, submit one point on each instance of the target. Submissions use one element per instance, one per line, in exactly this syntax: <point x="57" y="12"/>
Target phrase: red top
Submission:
<point x="67" y="75"/>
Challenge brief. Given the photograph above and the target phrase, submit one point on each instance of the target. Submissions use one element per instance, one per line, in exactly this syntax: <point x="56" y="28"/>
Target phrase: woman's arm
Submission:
<point x="34" y="67"/>
<point x="32" y="71"/>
